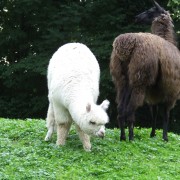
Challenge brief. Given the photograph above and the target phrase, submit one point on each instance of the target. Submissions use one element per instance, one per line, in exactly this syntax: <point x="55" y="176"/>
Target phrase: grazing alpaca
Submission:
<point x="144" y="67"/>
<point x="73" y="84"/>
<point x="162" y="26"/>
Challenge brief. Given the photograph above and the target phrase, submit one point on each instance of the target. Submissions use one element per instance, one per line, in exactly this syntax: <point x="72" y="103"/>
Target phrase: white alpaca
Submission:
<point x="73" y="83"/>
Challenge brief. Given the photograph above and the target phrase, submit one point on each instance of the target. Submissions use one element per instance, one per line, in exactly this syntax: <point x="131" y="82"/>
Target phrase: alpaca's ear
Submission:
<point x="105" y="104"/>
<point x="88" y="107"/>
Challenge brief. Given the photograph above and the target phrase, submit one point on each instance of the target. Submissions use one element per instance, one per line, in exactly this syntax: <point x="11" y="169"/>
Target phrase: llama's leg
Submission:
<point x="50" y="122"/>
<point x="165" y="123"/>
<point x="122" y="106"/>
<point x="85" y="139"/>
<point x="62" y="132"/>
<point x="131" y="120"/>
<point x="154" y="114"/>
<point x="122" y="127"/>
<point x="121" y="120"/>
<point x="136" y="100"/>
<point x="121" y="116"/>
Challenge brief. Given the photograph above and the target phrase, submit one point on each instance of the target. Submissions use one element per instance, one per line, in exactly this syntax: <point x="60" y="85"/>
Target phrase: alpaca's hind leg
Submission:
<point x="50" y="122"/>
<point x="84" y="138"/>
<point x="136" y="100"/>
<point x="63" y="122"/>
<point x="62" y="133"/>
<point x="154" y="114"/>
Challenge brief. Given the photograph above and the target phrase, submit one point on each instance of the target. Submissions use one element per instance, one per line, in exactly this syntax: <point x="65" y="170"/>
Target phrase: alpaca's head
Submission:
<point x="149" y="15"/>
<point x="95" y="119"/>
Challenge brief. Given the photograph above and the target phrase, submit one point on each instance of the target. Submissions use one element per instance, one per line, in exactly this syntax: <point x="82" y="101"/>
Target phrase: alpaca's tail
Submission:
<point x="123" y="46"/>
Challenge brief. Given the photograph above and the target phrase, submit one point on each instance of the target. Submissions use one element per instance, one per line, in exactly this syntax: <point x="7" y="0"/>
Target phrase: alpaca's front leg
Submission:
<point x="84" y="138"/>
<point x="62" y="133"/>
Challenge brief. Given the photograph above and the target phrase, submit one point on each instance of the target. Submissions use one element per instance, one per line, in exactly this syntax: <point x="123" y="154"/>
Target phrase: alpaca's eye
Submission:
<point x="91" y="122"/>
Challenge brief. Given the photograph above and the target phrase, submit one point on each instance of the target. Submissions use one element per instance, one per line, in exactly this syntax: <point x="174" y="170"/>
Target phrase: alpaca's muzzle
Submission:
<point x="101" y="132"/>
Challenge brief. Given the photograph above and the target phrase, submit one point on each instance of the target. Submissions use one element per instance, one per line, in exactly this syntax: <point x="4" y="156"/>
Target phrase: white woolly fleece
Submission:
<point x="73" y="83"/>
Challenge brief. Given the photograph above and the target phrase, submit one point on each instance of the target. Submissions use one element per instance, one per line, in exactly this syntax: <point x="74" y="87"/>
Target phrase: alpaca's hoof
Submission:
<point x="47" y="138"/>
<point x="60" y="143"/>
<point x="48" y="135"/>
<point x="87" y="148"/>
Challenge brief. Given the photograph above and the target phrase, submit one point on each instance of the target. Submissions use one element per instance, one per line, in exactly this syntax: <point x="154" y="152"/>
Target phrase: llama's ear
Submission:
<point x="88" y="107"/>
<point x="158" y="6"/>
<point x="105" y="104"/>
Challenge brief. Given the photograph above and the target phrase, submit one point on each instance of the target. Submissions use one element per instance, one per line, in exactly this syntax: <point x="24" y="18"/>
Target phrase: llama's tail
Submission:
<point x="124" y="45"/>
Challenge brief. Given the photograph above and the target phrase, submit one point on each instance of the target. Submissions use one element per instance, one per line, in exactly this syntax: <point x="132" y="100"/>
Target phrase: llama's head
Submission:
<point x="96" y="118"/>
<point x="149" y="15"/>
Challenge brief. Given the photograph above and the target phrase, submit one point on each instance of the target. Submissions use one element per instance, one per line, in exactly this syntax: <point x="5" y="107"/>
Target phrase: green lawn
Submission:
<point x="25" y="155"/>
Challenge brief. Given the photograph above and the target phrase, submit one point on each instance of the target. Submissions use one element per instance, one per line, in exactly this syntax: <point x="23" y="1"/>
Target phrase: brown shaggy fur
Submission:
<point x="144" y="67"/>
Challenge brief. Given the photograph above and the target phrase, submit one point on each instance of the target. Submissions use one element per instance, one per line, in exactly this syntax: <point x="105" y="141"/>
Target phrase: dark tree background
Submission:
<point x="32" y="30"/>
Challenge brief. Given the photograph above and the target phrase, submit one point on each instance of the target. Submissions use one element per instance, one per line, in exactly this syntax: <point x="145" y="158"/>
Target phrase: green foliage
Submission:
<point x="175" y="6"/>
<point x="25" y="155"/>
<point x="175" y="9"/>
<point x="32" y="30"/>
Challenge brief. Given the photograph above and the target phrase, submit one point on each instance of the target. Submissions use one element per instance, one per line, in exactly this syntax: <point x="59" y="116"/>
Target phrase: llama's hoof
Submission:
<point x="165" y="139"/>
<point x="152" y="135"/>
<point x="131" y="139"/>
<point x="122" y="138"/>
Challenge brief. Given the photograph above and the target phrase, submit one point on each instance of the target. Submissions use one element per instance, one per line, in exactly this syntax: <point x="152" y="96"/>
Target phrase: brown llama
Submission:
<point x="162" y="25"/>
<point x="145" y="68"/>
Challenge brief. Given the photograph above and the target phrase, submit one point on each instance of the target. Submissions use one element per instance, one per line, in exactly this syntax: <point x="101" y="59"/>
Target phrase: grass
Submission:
<point x="25" y="155"/>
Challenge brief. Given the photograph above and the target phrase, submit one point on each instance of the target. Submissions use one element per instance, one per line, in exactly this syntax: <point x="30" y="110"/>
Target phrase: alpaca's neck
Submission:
<point x="77" y="108"/>
<point x="163" y="27"/>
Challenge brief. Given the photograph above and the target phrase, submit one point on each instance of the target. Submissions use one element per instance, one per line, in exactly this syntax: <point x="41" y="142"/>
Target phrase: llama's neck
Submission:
<point x="163" y="27"/>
